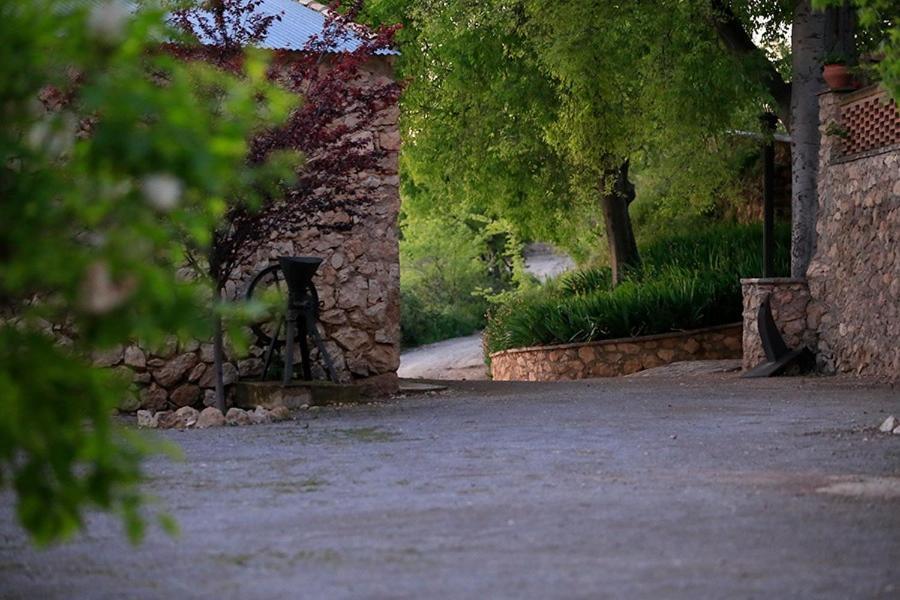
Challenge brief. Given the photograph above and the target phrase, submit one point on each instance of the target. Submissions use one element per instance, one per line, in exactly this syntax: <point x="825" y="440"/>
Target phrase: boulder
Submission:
<point x="165" y="419"/>
<point x="185" y="395"/>
<point x="154" y="398"/>
<point x="210" y="417"/>
<point x="280" y="413"/>
<point x="174" y="370"/>
<point x="259" y="416"/>
<point x="135" y="357"/>
<point x="888" y="425"/>
<point x="237" y="416"/>
<point x="147" y="419"/>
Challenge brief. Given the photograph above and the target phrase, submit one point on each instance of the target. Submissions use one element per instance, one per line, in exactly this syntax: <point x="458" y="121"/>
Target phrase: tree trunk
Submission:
<point x="807" y="43"/>
<point x="218" y="361"/>
<point x="618" y="193"/>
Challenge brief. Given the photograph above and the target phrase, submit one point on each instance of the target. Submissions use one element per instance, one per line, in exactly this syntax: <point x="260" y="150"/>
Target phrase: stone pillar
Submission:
<point x="789" y="302"/>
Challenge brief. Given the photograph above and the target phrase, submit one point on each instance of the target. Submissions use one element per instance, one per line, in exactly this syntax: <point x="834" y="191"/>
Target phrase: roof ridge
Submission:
<point x="316" y="6"/>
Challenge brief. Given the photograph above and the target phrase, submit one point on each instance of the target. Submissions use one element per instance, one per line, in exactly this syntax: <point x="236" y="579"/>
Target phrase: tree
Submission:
<point x="609" y="82"/>
<point x="880" y="22"/>
<point x="536" y="111"/>
<point x="113" y="154"/>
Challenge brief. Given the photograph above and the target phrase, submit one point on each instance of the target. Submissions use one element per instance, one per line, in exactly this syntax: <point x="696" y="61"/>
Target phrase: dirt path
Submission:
<point x="456" y="359"/>
<point x="462" y="358"/>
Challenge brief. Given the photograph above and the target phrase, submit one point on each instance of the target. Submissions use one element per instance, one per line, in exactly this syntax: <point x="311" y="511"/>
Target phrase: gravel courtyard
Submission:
<point x="622" y="488"/>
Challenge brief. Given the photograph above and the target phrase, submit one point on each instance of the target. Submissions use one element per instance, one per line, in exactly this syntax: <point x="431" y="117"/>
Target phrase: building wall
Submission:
<point x="358" y="284"/>
<point x="854" y="277"/>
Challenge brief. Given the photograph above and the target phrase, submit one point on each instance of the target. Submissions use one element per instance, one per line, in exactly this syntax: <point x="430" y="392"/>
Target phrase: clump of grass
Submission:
<point x="687" y="281"/>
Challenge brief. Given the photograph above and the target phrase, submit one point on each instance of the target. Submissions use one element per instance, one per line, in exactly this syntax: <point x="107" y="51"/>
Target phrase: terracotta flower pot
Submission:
<point x="837" y="77"/>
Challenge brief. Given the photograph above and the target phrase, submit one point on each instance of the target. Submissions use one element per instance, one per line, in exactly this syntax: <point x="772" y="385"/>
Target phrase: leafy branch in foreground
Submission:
<point x="113" y="156"/>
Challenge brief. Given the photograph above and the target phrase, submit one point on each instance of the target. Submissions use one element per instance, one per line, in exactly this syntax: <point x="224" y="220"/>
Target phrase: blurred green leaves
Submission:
<point x="115" y="156"/>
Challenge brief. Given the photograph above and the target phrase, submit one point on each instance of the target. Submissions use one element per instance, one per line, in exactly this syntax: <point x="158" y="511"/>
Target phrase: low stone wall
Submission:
<point x="789" y="302"/>
<point x="610" y="358"/>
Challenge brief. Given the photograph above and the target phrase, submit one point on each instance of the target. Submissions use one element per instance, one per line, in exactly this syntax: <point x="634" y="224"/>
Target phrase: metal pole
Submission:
<point x="288" y="375"/>
<point x="769" y="122"/>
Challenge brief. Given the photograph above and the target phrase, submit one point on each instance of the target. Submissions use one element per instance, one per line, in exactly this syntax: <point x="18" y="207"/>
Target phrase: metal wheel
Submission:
<point x="269" y="284"/>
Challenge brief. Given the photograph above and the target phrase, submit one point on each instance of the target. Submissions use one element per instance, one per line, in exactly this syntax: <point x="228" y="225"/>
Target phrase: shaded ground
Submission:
<point x="626" y="488"/>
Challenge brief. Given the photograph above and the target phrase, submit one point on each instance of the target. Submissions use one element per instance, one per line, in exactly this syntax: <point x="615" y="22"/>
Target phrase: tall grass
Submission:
<point x="689" y="280"/>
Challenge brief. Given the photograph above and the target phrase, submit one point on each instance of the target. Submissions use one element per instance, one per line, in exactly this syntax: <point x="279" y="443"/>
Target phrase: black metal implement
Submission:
<point x="301" y="317"/>
<point x="778" y="356"/>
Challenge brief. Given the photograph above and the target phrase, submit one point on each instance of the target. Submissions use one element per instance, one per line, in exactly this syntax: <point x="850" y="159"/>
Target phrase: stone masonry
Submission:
<point x="789" y="302"/>
<point x="609" y="358"/>
<point x="358" y="284"/>
<point x="854" y="277"/>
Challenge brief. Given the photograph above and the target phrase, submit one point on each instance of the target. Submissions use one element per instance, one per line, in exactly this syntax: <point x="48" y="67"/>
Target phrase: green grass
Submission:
<point x="688" y="281"/>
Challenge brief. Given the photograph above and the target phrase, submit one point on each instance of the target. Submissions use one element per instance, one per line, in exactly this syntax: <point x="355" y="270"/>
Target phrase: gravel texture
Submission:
<point x="620" y="488"/>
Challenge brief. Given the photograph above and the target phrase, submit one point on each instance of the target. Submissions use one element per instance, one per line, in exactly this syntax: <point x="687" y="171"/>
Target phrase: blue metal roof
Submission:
<point x="298" y="24"/>
<point x="300" y="21"/>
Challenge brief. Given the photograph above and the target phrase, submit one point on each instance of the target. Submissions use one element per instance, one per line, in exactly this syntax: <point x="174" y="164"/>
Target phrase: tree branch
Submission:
<point x="736" y="39"/>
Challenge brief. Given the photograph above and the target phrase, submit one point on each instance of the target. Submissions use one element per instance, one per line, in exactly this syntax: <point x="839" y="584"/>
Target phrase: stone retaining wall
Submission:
<point x="789" y="302"/>
<point x="854" y="277"/>
<point x="609" y="358"/>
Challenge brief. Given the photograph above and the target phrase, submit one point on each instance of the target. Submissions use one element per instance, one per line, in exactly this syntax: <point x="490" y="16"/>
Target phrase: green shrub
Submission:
<point x="448" y="265"/>
<point x="688" y="281"/>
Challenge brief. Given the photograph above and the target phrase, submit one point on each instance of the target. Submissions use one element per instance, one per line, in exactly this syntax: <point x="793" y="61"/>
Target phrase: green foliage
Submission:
<point x="688" y="281"/>
<point x="516" y="109"/>
<point x="133" y="161"/>
<point x="880" y="19"/>
<point x="448" y="267"/>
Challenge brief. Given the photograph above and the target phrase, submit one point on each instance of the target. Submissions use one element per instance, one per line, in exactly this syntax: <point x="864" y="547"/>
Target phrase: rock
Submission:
<point x="175" y="370"/>
<point x="259" y="416"/>
<point x="896" y="430"/>
<point x="135" y="357"/>
<point x="888" y="425"/>
<point x="187" y="416"/>
<point x="147" y="419"/>
<point x="280" y="413"/>
<point x="209" y="397"/>
<point x="237" y="416"/>
<point x="229" y="375"/>
<point x="154" y="397"/>
<point x="207" y="353"/>
<point x="130" y="403"/>
<point x="250" y="367"/>
<point x="197" y="372"/>
<point x="165" y="419"/>
<point x="210" y="417"/>
<point x="107" y="358"/>
<point x="185" y="395"/>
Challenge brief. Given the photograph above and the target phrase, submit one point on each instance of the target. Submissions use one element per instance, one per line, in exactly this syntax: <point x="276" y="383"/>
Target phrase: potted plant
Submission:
<point x="836" y="73"/>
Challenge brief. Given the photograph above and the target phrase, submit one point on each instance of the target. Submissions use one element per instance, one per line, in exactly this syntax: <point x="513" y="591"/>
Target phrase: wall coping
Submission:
<point x="625" y="340"/>
<point x="772" y="280"/>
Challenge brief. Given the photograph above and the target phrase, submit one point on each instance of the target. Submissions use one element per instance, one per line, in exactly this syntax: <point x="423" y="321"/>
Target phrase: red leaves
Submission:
<point x="345" y="93"/>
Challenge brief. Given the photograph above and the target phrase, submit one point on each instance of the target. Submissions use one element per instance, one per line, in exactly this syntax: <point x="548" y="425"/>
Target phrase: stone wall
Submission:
<point x="789" y="302"/>
<point x="854" y="277"/>
<point x="609" y="358"/>
<point x="358" y="284"/>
